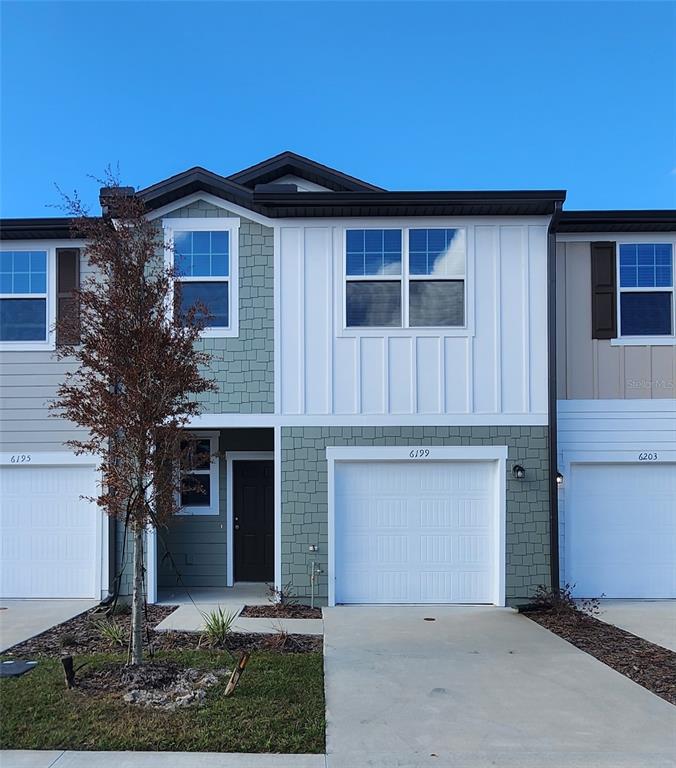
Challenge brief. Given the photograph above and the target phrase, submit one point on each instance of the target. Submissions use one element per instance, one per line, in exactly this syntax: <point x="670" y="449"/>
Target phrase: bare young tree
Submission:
<point x="138" y="372"/>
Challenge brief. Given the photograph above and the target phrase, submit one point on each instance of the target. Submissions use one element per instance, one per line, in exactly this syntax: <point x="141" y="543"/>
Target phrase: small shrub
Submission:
<point x="562" y="601"/>
<point x="217" y="627"/>
<point x="590" y="605"/>
<point x="111" y="631"/>
<point x="67" y="640"/>
<point x="282" y="596"/>
<point x="556" y="601"/>
<point x="276" y="642"/>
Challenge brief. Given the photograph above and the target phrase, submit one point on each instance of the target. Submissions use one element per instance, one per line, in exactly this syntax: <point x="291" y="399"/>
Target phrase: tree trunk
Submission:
<point x="137" y="600"/>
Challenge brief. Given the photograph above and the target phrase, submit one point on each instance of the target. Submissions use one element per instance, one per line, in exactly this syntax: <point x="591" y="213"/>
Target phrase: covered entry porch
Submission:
<point x="225" y="533"/>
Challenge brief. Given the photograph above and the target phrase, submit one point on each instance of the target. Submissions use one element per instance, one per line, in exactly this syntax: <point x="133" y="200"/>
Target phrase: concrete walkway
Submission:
<point x="23" y="619"/>
<point x="67" y="759"/>
<point x="653" y="620"/>
<point x="479" y="687"/>
<point x="189" y="616"/>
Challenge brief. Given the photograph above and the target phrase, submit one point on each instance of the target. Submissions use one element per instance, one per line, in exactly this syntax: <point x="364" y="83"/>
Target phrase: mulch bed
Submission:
<point x="647" y="664"/>
<point x="278" y="611"/>
<point x="80" y="636"/>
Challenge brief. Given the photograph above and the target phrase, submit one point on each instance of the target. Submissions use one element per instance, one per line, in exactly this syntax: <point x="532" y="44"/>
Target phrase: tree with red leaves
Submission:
<point x="138" y="372"/>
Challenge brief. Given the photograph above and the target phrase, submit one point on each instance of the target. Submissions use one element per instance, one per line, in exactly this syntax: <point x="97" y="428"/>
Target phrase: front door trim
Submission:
<point x="230" y="458"/>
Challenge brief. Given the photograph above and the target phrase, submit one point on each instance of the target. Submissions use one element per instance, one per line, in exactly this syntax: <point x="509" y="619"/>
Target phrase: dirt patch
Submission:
<point x="82" y="635"/>
<point x="277" y="611"/>
<point x="158" y="684"/>
<point x="647" y="664"/>
<point x="240" y="641"/>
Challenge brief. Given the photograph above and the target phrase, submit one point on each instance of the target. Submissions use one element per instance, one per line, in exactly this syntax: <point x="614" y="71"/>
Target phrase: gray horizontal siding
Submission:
<point x="28" y="383"/>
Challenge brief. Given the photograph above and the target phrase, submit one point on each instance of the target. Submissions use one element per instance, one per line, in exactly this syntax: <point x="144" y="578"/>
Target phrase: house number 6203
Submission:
<point x="647" y="456"/>
<point x="420" y="453"/>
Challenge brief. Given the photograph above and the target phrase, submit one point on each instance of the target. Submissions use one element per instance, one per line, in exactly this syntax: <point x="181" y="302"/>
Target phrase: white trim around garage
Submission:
<point x="412" y="454"/>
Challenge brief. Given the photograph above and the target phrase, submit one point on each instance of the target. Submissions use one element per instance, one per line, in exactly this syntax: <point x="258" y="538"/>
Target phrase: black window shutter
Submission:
<point x="603" y="291"/>
<point x="67" y="282"/>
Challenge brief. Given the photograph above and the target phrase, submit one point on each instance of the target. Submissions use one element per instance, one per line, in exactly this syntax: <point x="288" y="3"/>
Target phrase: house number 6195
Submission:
<point x="20" y="458"/>
<point x="420" y="453"/>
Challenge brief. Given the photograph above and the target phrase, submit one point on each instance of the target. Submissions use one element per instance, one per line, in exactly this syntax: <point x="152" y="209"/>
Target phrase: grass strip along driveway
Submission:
<point x="278" y="707"/>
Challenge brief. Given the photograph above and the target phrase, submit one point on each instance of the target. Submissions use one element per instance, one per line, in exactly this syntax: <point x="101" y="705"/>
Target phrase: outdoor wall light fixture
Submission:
<point x="518" y="471"/>
<point x="559" y="479"/>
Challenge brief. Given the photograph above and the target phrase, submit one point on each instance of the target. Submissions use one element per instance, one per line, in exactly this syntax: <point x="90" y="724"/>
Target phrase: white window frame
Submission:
<point x="49" y="342"/>
<point x="405" y="278"/>
<point x="214" y="471"/>
<point x="215" y="224"/>
<point x="645" y="340"/>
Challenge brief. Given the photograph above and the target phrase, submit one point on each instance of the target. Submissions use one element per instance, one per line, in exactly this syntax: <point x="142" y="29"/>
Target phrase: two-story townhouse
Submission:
<point x="616" y="352"/>
<point x="386" y="399"/>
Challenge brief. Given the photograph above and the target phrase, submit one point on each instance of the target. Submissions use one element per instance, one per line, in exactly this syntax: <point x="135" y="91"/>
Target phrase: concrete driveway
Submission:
<point x="23" y="619"/>
<point x="479" y="687"/>
<point x="653" y="620"/>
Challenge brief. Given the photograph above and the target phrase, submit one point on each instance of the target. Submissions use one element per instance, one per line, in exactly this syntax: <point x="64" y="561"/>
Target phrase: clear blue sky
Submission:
<point x="479" y="95"/>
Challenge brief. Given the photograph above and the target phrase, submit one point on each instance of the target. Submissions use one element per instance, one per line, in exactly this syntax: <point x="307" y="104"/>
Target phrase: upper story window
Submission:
<point x="646" y="288"/>
<point x="419" y="285"/>
<point x="204" y="253"/>
<point x="23" y="296"/>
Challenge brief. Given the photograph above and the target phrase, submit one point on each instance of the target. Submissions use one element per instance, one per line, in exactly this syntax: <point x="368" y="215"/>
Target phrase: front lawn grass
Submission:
<point x="277" y="707"/>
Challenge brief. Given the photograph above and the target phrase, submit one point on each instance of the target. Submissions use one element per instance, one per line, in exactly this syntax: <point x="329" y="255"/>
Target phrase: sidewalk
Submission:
<point x="56" y="759"/>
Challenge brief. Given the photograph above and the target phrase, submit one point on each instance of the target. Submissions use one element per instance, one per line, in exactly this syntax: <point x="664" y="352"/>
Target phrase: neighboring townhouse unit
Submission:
<point x="385" y="407"/>
<point x="616" y="352"/>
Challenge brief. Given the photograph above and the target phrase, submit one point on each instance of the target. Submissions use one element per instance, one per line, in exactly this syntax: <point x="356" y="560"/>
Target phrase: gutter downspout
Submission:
<point x="552" y="397"/>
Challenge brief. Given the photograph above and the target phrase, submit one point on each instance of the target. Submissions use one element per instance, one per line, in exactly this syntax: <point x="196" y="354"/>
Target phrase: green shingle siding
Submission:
<point x="305" y="496"/>
<point x="243" y="366"/>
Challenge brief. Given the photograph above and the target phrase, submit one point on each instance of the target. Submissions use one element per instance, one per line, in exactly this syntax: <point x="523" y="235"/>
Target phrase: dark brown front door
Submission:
<point x="254" y="513"/>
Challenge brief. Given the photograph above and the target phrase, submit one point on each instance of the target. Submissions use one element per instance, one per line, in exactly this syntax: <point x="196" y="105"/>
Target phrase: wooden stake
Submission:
<point x="68" y="671"/>
<point x="237" y="673"/>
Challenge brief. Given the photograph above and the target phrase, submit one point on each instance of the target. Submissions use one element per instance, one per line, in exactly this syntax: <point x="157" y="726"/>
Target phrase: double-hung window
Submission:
<point x="646" y="289"/>
<point x="23" y="297"/>
<point x="204" y="255"/>
<point x="373" y="278"/>
<point x="436" y="260"/>
<point x="199" y="476"/>
<point x="413" y="278"/>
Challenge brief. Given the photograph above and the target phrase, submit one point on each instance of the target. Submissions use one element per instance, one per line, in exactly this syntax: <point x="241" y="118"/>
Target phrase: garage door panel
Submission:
<point x="435" y="543"/>
<point x="620" y="530"/>
<point x="48" y="532"/>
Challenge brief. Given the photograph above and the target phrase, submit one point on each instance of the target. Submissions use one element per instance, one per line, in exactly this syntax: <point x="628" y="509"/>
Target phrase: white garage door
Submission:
<point x="620" y="530"/>
<point x="48" y="534"/>
<point x="416" y="532"/>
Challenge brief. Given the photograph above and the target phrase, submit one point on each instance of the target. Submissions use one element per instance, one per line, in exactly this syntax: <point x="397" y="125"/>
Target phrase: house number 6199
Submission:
<point x="420" y="453"/>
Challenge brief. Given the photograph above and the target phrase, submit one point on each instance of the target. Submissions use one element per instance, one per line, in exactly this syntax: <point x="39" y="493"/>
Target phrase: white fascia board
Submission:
<point x="219" y="202"/>
<point x="613" y="407"/>
<point x="45" y="458"/>
<point x="616" y="237"/>
<point x="224" y="420"/>
<point x="403" y="453"/>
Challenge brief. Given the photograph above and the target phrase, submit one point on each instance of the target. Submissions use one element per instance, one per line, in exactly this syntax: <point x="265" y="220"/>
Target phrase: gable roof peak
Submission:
<point x="290" y="163"/>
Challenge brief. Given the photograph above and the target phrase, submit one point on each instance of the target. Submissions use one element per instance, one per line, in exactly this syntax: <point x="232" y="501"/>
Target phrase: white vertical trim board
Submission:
<point x="497" y="455"/>
<point x="230" y="458"/>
